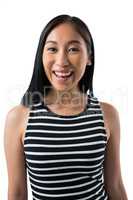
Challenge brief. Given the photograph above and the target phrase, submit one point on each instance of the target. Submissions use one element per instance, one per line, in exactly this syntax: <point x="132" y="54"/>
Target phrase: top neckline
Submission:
<point x="69" y="116"/>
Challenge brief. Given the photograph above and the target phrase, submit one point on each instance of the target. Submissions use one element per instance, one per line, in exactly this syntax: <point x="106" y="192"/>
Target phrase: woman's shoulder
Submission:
<point x="109" y="109"/>
<point x="16" y="120"/>
<point x="17" y="113"/>
<point x="111" y="116"/>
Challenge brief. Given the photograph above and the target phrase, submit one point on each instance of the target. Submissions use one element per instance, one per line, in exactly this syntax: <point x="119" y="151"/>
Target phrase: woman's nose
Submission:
<point x="62" y="59"/>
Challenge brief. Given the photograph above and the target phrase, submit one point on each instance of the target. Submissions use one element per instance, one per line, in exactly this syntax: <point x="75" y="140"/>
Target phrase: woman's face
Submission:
<point x="65" y="57"/>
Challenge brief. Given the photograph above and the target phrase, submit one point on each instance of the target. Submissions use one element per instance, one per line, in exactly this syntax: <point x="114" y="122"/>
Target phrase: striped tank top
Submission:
<point x="65" y="154"/>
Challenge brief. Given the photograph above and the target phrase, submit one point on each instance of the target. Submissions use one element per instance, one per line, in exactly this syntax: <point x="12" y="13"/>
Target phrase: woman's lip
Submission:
<point x="62" y="76"/>
<point x="61" y="71"/>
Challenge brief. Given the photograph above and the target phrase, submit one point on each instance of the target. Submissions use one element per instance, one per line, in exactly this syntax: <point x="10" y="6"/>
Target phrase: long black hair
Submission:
<point x="40" y="85"/>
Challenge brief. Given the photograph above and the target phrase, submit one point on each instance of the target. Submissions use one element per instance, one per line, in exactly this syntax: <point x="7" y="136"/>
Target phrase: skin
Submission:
<point x="17" y="117"/>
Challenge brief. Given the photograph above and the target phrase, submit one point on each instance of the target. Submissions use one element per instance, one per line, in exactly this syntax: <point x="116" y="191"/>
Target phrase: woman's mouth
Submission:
<point x="63" y="75"/>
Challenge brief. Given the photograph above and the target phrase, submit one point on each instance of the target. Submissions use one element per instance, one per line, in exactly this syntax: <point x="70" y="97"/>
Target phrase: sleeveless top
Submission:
<point x="65" y="154"/>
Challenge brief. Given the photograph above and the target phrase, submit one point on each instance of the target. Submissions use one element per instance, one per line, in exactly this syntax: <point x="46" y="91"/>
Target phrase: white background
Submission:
<point x="110" y="22"/>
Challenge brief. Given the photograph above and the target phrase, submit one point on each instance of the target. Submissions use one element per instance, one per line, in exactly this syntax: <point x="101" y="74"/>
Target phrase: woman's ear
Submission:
<point x="89" y="62"/>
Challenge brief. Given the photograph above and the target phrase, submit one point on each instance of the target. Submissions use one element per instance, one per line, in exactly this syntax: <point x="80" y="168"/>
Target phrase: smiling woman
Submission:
<point x="66" y="44"/>
<point x="66" y="139"/>
<point x="65" y="58"/>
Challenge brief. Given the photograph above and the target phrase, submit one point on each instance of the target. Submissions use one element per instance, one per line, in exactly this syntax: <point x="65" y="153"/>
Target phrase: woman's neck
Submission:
<point x="66" y="98"/>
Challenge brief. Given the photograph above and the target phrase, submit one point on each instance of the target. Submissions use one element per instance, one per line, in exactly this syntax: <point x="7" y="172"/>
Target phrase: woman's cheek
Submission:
<point x="76" y="60"/>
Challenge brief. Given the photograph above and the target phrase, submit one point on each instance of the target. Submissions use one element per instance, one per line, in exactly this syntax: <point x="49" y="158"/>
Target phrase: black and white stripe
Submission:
<point x="65" y="154"/>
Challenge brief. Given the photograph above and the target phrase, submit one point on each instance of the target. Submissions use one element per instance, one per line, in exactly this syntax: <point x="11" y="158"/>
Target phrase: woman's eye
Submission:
<point x="52" y="49"/>
<point x="73" y="49"/>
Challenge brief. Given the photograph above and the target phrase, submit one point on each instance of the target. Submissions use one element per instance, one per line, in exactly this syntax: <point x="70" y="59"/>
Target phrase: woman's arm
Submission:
<point x="112" y="170"/>
<point x="16" y="167"/>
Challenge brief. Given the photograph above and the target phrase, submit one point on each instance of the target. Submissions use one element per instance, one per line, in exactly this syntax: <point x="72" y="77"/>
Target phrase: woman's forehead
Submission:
<point x="64" y="32"/>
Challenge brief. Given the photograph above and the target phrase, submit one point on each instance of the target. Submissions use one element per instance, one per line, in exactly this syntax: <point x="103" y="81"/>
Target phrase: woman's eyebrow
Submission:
<point x="69" y="42"/>
<point x="74" y="41"/>
<point x="50" y="41"/>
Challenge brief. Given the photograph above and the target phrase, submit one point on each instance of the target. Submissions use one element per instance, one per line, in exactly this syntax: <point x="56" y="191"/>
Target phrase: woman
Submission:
<point x="66" y="139"/>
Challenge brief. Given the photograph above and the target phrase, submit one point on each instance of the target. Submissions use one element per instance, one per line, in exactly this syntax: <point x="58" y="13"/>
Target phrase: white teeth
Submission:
<point x="62" y="74"/>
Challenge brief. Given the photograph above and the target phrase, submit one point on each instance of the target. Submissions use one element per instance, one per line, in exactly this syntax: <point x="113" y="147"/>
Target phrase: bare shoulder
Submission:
<point x="111" y="116"/>
<point x="110" y="110"/>
<point x="17" y="114"/>
<point x="16" y="120"/>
